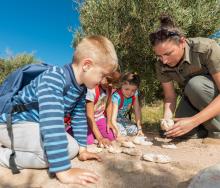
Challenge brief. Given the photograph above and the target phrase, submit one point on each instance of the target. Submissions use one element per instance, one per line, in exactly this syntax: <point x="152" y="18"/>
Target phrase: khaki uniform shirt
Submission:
<point x="201" y="56"/>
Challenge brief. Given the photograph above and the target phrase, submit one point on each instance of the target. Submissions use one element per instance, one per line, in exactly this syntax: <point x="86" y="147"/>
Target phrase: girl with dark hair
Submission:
<point x="123" y="99"/>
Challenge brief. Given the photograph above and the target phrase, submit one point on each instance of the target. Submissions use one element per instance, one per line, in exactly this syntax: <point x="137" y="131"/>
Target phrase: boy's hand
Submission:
<point x="77" y="176"/>
<point x="104" y="142"/>
<point x="85" y="155"/>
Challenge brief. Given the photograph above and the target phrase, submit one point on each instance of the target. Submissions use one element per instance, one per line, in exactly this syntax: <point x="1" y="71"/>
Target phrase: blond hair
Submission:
<point x="99" y="49"/>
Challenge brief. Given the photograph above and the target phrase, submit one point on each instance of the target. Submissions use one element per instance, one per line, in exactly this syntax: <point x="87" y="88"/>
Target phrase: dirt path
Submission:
<point x="123" y="171"/>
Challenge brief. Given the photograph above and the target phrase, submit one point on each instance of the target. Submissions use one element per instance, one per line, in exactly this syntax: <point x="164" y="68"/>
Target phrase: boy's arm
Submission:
<point x="79" y="122"/>
<point x="51" y="113"/>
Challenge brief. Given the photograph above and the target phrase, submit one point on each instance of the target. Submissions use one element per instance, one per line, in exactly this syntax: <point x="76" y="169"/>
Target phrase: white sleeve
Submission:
<point x="90" y="95"/>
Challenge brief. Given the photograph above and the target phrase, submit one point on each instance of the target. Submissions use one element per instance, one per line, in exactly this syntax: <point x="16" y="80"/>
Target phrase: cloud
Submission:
<point x="8" y="52"/>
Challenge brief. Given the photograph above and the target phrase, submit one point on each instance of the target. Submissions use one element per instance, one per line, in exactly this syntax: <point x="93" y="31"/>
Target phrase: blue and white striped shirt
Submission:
<point x="48" y="90"/>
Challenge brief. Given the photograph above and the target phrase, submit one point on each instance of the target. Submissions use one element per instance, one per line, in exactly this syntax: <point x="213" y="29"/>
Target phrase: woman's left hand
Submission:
<point x="85" y="155"/>
<point x="181" y="127"/>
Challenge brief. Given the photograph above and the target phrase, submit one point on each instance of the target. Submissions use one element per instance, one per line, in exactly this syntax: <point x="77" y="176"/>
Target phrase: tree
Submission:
<point x="10" y="64"/>
<point x="127" y="23"/>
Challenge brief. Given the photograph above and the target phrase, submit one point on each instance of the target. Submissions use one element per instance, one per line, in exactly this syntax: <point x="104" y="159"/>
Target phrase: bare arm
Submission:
<point x="213" y="109"/>
<point x="169" y="99"/>
<point x="91" y="120"/>
<point x="184" y="125"/>
<point x="138" y="117"/>
<point x="109" y="109"/>
<point x="114" y="116"/>
<point x="137" y="112"/>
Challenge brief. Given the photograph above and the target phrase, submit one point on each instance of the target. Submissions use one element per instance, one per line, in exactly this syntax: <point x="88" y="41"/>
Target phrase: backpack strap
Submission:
<point x="12" y="163"/>
<point x="67" y="70"/>
<point x="97" y="94"/>
<point x="109" y="94"/>
<point x="122" y="98"/>
<point x="133" y="99"/>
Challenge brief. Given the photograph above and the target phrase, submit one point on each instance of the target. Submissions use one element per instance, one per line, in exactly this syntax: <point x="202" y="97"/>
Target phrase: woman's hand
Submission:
<point x="181" y="127"/>
<point x="85" y="155"/>
<point x="77" y="176"/>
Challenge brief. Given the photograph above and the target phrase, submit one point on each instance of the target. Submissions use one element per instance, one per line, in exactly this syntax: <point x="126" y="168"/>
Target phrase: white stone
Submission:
<point x="157" y="158"/>
<point x="207" y="178"/>
<point x="128" y="144"/>
<point x="169" y="146"/>
<point x="94" y="149"/>
<point x="132" y="151"/>
<point x="166" y="124"/>
<point x="114" y="150"/>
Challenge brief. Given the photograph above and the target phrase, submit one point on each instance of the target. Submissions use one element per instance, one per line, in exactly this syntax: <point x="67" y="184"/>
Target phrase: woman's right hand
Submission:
<point x="77" y="176"/>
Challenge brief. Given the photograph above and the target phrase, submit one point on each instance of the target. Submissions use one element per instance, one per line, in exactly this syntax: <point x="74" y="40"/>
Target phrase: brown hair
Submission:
<point x="166" y="31"/>
<point x="131" y="78"/>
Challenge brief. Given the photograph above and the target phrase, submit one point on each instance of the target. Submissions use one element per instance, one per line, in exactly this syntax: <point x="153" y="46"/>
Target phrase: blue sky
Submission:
<point x="38" y="26"/>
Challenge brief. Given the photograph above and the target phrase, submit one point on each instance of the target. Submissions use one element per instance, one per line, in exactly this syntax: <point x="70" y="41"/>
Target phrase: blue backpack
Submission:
<point x="11" y="86"/>
<point x="17" y="80"/>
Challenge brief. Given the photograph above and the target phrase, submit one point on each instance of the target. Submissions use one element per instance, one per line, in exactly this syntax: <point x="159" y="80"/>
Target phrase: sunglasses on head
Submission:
<point x="162" y="35"/>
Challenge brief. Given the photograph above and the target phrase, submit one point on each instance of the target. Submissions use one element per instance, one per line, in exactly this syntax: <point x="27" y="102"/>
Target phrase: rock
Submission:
<point x="169" y="146"/>
<point x="114" y="150"/>
<point x="128" y="144"/>
<point x="166" y="124"/>
<point x="141" y="140"/>
<point x="132" y="151"/>
<point x="157" y="158"/>
<point x="207" y="178"/>
<point x="94" y="149"/>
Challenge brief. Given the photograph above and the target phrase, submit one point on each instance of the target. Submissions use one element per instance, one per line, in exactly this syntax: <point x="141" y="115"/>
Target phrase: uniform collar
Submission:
<point x="186" y="57"/>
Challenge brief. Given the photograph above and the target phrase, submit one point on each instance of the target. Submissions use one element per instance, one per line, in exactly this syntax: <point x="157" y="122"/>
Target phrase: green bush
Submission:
<point x="10" y="64"/>
<point x="127" y="23"/>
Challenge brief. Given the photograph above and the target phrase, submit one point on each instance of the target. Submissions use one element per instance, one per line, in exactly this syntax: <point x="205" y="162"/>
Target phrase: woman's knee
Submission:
<point x="200" y="90"/>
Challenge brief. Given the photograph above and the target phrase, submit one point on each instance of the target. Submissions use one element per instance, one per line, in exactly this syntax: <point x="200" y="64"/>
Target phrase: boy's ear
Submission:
<point x="87" y="64"/>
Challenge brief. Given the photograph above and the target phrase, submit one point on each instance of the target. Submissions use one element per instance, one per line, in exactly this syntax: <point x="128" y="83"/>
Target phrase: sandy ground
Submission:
<point x="124" y="171"/>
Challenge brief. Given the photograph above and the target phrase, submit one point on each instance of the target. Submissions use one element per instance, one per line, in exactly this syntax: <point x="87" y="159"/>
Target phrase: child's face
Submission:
<point x="128" y="90"/>
<point x="94" y="75"/>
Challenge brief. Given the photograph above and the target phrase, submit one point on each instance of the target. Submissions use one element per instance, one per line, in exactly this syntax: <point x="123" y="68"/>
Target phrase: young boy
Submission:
<point x="40" y="140"/>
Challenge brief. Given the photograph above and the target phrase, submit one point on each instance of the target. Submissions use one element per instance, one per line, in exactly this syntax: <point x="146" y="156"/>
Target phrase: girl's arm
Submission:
<point x="109" y="109"/>
<point x="91" y="120"/>
<point x="109" y="116"/>
<point x="138" y="117"/>
<point x="114" y="117"/>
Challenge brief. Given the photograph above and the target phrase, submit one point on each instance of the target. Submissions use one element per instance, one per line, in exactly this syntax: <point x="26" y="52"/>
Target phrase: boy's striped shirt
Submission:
<point x="48" y="90"/>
